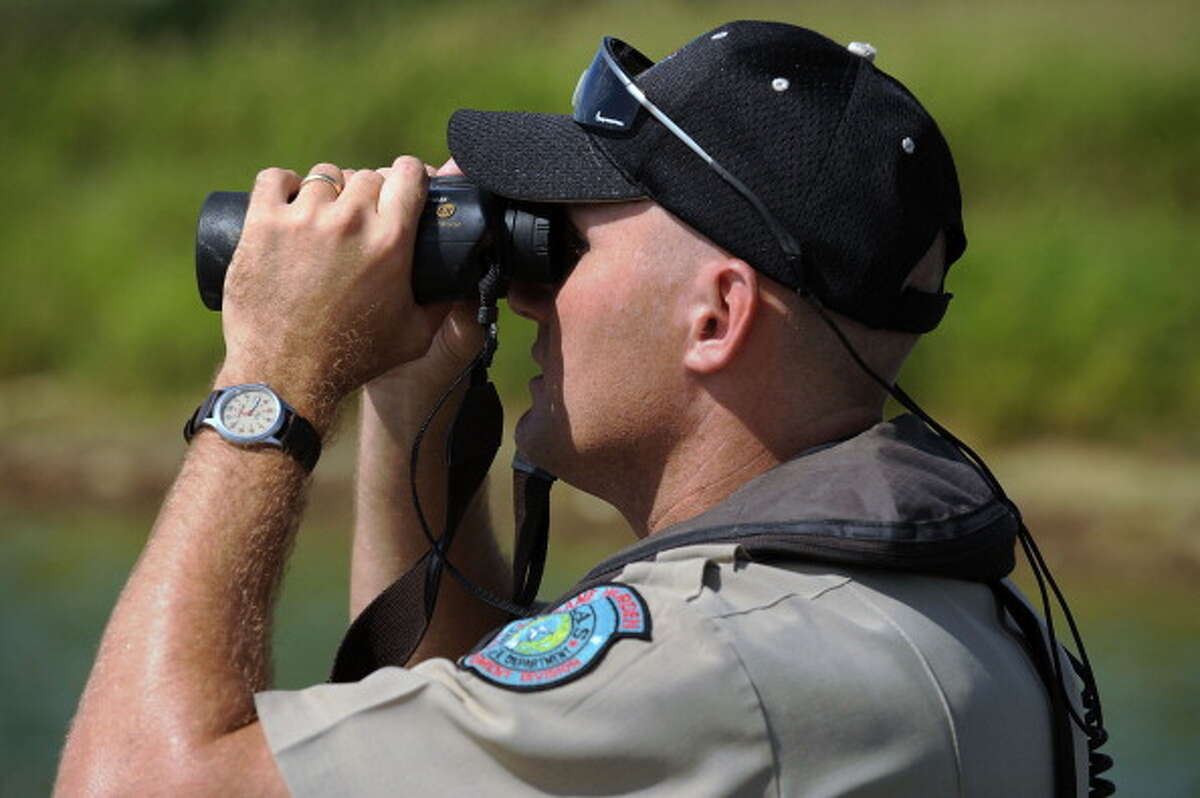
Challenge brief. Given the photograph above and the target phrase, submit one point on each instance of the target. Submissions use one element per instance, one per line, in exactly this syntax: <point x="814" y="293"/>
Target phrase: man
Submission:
<point x="812" y="607"/>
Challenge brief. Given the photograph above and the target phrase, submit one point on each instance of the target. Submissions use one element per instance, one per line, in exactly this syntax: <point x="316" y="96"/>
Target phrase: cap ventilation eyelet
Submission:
<point x="780" y="84"/>
<point x="863" y="49"/>
<point x="908" y="145"/>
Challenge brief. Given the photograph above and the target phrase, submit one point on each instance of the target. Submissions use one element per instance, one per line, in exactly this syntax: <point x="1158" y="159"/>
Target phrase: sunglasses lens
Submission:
<point x="601" y="100"/>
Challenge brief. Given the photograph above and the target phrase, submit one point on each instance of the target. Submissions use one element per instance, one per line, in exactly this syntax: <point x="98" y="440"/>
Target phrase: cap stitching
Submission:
<point x="837" y="133"/>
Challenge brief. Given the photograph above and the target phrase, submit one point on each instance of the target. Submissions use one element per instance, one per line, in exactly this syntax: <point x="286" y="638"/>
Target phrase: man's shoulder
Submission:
<point x="812" y="629"/>
<point x="809" y="618"/>
<point x="719" y="580"/>
<point x="857" y="664"/>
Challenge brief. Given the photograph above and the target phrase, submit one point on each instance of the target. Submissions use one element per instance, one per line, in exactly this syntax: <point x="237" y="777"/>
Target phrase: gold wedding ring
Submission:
<point x="324" y="178"/>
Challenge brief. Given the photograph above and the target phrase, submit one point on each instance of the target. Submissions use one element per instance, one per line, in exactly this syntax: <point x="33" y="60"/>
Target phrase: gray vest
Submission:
<point x="896" y="497"/>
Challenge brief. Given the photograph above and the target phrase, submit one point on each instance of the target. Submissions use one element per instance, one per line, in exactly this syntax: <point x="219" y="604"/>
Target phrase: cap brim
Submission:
<point x="535" y="157"/>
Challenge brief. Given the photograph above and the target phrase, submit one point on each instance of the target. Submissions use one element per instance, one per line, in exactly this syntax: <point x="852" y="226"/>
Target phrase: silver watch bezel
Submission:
<point x="268" y="435"/>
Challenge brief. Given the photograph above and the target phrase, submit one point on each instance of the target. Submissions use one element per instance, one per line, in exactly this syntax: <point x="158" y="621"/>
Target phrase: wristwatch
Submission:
<point x="253" y="414"/>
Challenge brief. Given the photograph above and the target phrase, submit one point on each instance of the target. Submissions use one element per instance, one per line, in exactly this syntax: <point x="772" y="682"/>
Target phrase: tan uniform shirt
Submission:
<point x="803" y="680"/>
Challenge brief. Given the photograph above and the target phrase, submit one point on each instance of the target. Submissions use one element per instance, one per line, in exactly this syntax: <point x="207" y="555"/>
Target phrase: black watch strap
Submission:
<point x="298" y="437"/>
<point x="202" y="412"/>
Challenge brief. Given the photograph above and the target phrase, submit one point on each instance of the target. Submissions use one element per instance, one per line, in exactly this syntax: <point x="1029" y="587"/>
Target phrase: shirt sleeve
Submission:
<point x="675" y="714"/>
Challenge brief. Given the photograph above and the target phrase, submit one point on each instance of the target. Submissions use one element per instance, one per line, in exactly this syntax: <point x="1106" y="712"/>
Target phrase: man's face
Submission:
<point x="609" y="344"/>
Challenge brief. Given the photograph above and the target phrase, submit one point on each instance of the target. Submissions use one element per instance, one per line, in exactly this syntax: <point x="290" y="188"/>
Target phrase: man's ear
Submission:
<point x="721" y="310"/>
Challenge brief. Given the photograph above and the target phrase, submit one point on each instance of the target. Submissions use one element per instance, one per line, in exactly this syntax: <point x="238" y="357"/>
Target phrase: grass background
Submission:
<point x="1074" y="125"/>
<point x="1068" y="352"/>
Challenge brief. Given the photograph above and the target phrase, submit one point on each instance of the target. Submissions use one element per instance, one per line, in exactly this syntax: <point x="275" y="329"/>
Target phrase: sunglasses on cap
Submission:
<point x="607" y="98"/>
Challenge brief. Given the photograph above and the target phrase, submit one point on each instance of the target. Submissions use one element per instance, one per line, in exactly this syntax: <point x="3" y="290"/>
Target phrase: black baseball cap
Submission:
<point x="788" y="129"/>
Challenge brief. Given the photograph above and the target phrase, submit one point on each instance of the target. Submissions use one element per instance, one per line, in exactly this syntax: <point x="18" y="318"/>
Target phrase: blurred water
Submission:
<point x="61" y="571"/>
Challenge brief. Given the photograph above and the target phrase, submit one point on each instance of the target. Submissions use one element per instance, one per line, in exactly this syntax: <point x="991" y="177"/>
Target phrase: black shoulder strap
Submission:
<point x="975" y="545"/>
<point x="1034" y="641"/>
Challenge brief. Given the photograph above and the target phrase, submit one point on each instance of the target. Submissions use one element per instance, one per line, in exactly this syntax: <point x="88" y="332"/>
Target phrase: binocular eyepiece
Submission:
<point x="463" y="231"/>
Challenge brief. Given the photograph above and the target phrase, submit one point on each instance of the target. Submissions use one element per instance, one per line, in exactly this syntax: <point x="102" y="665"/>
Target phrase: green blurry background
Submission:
<point x="1068" y="356"/>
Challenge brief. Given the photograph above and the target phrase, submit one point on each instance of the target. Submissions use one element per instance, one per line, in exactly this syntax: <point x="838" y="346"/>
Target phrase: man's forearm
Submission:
<point x="316" y="304"/>
<point x="188" y="642"/>
<point x="388" y="539"/>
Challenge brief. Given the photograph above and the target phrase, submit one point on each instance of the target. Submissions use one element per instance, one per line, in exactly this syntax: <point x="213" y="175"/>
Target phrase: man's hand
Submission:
<point x="318" y="298"/>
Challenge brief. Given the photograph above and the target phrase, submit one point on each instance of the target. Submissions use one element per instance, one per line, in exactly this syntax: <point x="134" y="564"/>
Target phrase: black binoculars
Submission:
<point x="463" y="231"/>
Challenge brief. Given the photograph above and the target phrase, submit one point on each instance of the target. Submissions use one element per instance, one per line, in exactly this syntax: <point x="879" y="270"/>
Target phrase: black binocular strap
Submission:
<point x="391" y="627"/>
<point x="531" y="504"/>
<point x="388" y="630"/>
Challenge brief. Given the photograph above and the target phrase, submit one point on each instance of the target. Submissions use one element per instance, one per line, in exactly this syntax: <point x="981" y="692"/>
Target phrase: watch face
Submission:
<point x="251" y="413"/>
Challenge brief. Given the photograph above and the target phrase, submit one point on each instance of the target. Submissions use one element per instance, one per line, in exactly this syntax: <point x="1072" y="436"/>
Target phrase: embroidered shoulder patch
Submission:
<point x="552" y="649"/>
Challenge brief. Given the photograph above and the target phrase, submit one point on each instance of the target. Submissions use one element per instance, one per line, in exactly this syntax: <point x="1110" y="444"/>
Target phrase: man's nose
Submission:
<point x="532" y="300"/>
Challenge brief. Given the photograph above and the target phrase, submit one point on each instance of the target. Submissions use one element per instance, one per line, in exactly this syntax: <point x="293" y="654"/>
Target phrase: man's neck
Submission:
<point x="723" y="454"/>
